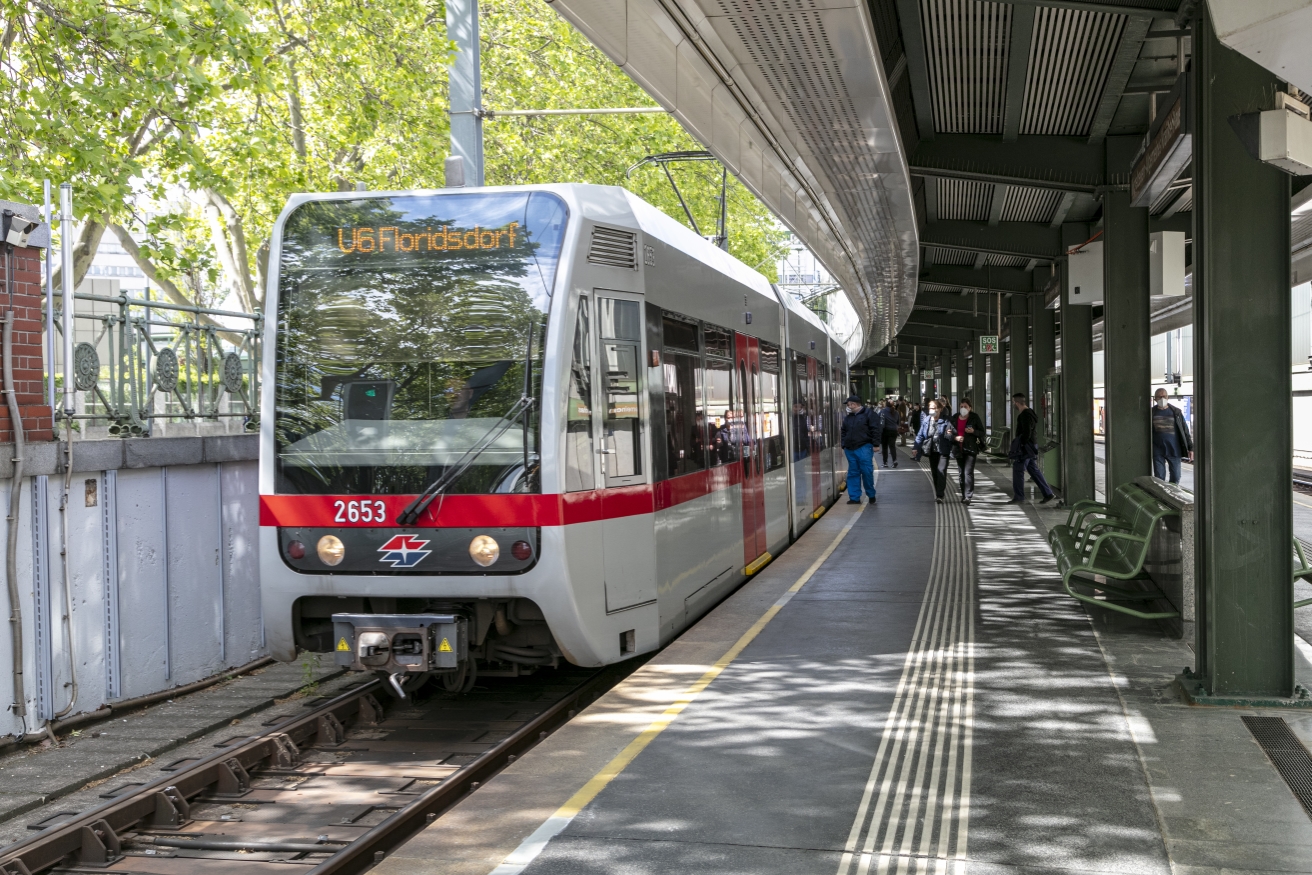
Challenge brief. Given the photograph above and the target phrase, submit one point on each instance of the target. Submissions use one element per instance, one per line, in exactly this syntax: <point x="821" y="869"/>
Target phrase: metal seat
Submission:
<point x="1114" y="547"/>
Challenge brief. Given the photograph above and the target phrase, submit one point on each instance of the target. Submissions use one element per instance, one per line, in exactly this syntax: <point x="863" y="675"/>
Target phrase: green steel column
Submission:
<point x="1241" y="282"/>
<point x="1076" y="384"/>
<point x="999" y="418"/>
<point x="961" y="373"/>
<point x="1127" y="339"/>
<point x="1045" y="357"/>
<point x="1018" y="324"/>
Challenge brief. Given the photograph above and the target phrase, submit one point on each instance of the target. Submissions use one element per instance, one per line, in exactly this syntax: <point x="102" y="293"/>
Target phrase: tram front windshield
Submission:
<point x="404" y="332"/>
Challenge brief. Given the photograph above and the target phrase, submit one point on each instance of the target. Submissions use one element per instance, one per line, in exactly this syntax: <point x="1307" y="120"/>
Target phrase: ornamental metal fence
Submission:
<point x="138" y="361"/>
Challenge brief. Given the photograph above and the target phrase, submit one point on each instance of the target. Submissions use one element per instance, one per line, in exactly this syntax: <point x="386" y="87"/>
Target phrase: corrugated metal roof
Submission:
<point x="1006" y="260"/>
<point x="1030" y="205"/>
<point x="934" y="255"/>
<point x="1071" y="53"/>
<point x="964" y="199"/>
<point x="966" y="42"/>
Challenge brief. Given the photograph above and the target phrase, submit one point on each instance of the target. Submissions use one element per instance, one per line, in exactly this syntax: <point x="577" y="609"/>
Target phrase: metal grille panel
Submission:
<point x="614" y="248"/>
<point x="967" y="43"/>
<point x="1071" y="54"/>
<point x="1030" y="205"/>
<point x="1006" y="260"/>
<point x="934" y="255"/>
<point x="1286" y="753"/>
<point x="964" y="199"/>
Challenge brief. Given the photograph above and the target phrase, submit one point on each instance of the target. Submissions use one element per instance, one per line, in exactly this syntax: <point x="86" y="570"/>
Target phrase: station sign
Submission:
<point x="988" y="344"/>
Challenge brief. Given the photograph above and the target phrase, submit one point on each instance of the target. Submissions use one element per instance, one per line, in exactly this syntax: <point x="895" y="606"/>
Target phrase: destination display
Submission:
<point x="445" y="238"/>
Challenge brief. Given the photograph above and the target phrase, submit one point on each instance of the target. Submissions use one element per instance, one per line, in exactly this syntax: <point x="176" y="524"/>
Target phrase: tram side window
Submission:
<point x="684" y="432"/>
<point x="721" y="447"/>
<point x="681" y="368"/>
<point x="799" y="428"/>
<point x="824" y="419"/>
<point x="578" y="414"/>
<point x="772" y="438"/>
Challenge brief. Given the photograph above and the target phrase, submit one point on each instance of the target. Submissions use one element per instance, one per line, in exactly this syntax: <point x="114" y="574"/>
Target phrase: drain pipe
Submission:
<point x="15" y="491"/>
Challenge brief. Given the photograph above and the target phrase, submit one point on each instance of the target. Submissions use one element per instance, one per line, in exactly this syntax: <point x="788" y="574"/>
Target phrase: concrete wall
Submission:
<point x="162" y="536"/>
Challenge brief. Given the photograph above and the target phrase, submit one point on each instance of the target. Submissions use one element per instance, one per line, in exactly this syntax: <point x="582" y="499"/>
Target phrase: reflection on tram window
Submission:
<point x="684" y="428"/>
<point x="719" y="341"/>
<point x="721" y="443"/>
<point x="680" y="332"/>
<point x="772" y="438"/>
<point x="799" y="420"/>
<point x="623" y="423"/>
<point x="578" y="414"/>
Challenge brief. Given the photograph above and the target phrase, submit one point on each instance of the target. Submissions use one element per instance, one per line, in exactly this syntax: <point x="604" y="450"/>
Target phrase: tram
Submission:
<point x="506" y="427"/>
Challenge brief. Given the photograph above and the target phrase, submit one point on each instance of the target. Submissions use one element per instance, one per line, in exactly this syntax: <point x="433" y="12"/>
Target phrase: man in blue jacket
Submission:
<point x="861" y="430"/>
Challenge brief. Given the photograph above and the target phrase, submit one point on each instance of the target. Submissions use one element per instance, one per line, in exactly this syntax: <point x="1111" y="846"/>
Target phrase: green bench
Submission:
<point x="1086" y="517"/>
<point x="1111" y="541"/>
<point x="1302" y="570"/>
<point x="998" y="442"/>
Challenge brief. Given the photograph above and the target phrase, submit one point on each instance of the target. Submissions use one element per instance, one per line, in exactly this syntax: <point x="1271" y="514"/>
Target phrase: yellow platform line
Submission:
<point x="529" y="849"/>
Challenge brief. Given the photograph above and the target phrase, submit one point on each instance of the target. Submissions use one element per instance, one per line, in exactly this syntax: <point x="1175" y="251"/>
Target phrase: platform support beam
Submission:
<point x="1018" y="323"/>
<point x="1126" y="339"/>
<point x="1045" y="357"/>
<point x="961" y="375"/>
<point x="998" y="418"/>
<point x="1241" y="283"/>
<point x="1076" y="396"/>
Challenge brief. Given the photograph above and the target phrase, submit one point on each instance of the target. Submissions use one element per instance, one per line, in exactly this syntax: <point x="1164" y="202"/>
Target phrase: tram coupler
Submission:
<point x="400" y="643"/>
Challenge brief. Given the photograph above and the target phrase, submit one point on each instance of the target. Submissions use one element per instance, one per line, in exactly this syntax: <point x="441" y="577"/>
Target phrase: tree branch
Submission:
<point x="230" y="246"/>
<point x="167" y="286"/>
<point x="84" y="251"/>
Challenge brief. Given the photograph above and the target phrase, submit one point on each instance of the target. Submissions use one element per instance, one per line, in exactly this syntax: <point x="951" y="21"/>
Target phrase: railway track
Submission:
<point x="331" y="791"/>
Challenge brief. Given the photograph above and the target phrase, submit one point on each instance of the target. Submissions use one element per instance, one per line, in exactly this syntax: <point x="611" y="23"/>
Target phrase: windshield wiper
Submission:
<point x="416" y="508"/>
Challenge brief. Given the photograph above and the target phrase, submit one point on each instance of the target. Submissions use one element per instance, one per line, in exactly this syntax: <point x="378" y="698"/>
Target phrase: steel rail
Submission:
<point x="227" y="768"/>
<point x="393" y="832"/>
<point x="95" y="837"/>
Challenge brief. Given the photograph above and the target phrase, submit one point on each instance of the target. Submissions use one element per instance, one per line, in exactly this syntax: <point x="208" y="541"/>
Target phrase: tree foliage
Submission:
<point x="184" y="125"/>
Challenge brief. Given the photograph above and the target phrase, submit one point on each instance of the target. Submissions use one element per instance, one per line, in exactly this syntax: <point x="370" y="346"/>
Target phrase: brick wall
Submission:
<point x="29" y="370"/>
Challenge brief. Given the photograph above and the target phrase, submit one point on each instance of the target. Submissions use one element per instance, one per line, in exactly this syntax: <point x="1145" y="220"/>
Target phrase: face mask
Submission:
<point x="965" y="411"/>
<point x="1161" y="402"/>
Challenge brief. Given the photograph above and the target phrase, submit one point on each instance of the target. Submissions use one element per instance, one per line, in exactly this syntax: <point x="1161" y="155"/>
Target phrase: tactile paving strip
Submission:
<point x="1286" y="753"/>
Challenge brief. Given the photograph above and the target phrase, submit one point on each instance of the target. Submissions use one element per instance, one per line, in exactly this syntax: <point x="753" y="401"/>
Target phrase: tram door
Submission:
<point x="628" y="545"/>
<point x="752" y="453"/>
<point x="816" y="422"/>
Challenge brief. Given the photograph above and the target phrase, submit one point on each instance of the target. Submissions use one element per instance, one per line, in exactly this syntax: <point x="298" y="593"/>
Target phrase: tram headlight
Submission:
<point x="521" y="550"/>
<point x="484" y="550"/>
<point x="331" y="550"/>
<point x="296" y="549"/>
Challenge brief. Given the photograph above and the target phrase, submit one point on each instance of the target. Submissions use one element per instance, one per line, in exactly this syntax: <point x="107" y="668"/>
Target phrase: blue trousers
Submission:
<point x="860" y="471"/>
<point x="1161" y="461"/>
<point x="1019" y="467"/>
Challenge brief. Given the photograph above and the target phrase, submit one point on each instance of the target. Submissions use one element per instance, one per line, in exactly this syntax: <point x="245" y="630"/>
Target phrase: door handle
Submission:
<point x="605" y="452"/>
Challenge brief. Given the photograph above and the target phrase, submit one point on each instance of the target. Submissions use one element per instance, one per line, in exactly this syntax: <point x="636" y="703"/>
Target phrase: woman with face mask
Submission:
<point x="935" y="440"/>
<point x="970" y="429"/>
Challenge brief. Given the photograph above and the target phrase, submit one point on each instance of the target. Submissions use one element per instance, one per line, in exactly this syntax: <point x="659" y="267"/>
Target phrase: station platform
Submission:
<point x="906" y="689"/>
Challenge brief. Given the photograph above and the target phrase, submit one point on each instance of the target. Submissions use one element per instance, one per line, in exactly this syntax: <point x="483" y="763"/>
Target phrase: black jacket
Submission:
<point x="1182" y="435"/>
<point x="1025" y="445"/>
<point x="974" y="441"/>
<point x="860" y="428"/>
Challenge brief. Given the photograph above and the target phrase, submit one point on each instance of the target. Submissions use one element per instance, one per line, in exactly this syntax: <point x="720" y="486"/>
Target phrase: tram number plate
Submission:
<point x="359" y="511"/>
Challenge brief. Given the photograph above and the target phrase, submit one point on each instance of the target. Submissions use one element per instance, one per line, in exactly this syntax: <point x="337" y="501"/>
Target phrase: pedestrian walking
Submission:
<point x="1171" y="439"/>
<point x="903" y="424"/>
<point x="860" y="431"/>
<point x="1024" y="452"/>
<point x="888" y="432"/>
<point x="917" y="416"/>
<point x="935" y="440"/>
<point x="970" y="432"/>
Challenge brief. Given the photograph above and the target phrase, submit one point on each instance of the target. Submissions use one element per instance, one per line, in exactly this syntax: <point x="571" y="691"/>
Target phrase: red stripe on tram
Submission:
<point x="462" y="511"/>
